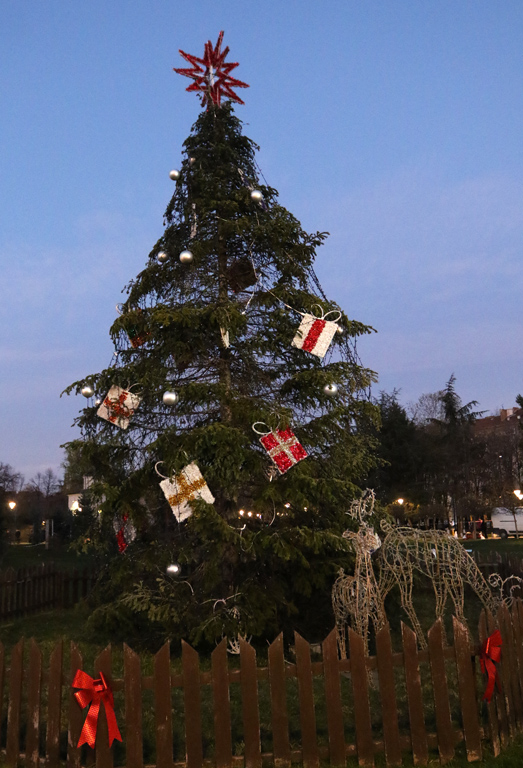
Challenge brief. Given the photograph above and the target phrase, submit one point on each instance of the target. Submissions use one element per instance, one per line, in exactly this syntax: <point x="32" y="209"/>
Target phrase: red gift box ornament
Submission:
<point x="94" y="693"/>
<point x="490" y="654"/>
<point x="282" y="446"/>
<point x="316" y="333"/>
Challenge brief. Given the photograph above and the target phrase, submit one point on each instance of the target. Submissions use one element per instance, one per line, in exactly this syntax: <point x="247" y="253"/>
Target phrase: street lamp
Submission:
<point x="517" y="493"/>
<point x="12" y="507"/>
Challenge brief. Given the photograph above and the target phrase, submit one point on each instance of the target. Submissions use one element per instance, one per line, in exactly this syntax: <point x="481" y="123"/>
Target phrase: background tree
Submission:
<point x="42" y="499"/>
<point x="399" y="472"/>
<point x="215" y="326"/>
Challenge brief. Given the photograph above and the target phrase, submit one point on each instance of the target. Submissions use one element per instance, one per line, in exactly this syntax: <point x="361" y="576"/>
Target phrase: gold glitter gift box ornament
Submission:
<point x="182" y="488"/>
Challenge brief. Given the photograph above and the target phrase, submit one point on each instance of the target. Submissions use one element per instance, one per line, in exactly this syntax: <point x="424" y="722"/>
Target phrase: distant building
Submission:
<point x="505" y="424"/>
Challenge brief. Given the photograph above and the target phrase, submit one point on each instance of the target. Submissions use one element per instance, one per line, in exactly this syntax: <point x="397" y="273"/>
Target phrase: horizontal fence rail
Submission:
<point x="41" y="588"/>
<point x="301" y="706"/>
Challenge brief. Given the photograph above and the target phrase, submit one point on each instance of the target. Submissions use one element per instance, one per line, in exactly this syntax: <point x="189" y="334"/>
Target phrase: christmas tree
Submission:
<point x="236" y="385"/>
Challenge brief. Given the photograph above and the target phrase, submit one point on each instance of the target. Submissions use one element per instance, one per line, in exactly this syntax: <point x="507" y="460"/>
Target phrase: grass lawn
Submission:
<point x="28" y="555"/>
<point x="510" y="546"/>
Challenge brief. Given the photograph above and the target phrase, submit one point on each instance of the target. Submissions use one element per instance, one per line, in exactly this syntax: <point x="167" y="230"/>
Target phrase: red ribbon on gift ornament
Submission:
<point x="94" y="692"/>
<point x="119" y="410"/>
<point x="490" y="654"/>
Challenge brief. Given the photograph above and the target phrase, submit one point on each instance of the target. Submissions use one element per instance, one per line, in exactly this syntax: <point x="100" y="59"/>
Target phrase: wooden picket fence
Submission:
<point x="190" y="712"/>
<point x="41" y="588"/>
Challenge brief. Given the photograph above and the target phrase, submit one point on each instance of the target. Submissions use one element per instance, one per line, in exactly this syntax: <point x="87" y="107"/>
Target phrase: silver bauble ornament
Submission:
<point x="174" y="569"/>
<point x="162" y="256"/>
<point x="98" y="401"/>
<point x="256" y="195"/>
<point x="339" y="329"/>
<point x="330" y="389"/>
<point x="87" y="391"/>
<point x="174" y="174"/>
<point x="170" y="398"/>
<point x="186" y="257"/>
<point x="192" y="160"/>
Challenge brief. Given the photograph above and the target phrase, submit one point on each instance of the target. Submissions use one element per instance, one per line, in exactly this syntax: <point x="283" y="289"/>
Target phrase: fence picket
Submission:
<point x="467" y="691"/>
<point x="163" y="708"/>
<point x="54" y="704"/>
<point x="193" y="707"/>
<point x="221" y="706"/>
<point x="504" y="674"/>
<point x="418" y="732"/>
<point x="389" y="709"/>
<point x="491" y="706"/>
<point x="331" y="671"/>
<point x="2" y="681"/>
<point x="279" y="713"/>
<point x="516" y="618"/>
<point x="251" y="715"/>
<point x="133" y="709"/>
<point x="441" y="692"/>
<point x="309" y="742"/>
<point x="75" y="589"/>
<point x="510" y="653"/>
<point x="75" y="713"/>
<point x="13" y="709"/>
<point x="360" y="692"/>
<point x="499" y="698"/>
<point x="103" y="752"/>
<point x="32" y="758"/>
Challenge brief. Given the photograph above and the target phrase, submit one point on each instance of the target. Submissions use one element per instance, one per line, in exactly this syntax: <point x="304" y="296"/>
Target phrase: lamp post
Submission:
<point x="519" y="495"/>
<point x="401" y="502"/>
<point x="12" y="507"/>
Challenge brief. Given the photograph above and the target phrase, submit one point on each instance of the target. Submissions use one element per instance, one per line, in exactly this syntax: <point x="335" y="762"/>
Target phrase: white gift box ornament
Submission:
<point x="118" y="406"/>
<point x="316" y="333"/>
<point x="182" y="488"/>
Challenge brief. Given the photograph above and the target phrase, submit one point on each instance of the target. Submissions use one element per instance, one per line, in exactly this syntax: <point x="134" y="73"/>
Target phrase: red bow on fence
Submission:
<point x="94" y="692"/>
<point x="490" y="654"/>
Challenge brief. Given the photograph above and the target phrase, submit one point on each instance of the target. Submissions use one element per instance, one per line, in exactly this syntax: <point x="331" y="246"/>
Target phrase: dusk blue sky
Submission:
<point x="394" y="125"/>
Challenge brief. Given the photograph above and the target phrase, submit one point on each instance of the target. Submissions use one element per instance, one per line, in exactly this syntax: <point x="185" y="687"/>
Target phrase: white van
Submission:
<point x="504" y="521"/>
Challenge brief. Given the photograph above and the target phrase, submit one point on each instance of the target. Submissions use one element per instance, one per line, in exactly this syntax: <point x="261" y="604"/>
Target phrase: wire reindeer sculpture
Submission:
<point x="359" y="598"/>
<point x="437" y="555"/>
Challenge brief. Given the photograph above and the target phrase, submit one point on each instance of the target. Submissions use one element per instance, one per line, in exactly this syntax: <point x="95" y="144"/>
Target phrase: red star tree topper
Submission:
<point x="211" y="74"/>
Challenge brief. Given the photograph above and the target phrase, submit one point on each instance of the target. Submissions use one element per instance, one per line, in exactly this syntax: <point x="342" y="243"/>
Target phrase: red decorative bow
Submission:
<point x="490" y="654"/>
<point x="94" y="692"/>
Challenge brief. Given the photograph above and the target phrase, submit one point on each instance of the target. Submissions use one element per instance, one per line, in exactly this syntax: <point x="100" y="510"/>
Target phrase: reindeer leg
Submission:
<point x="405" y="586"/>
